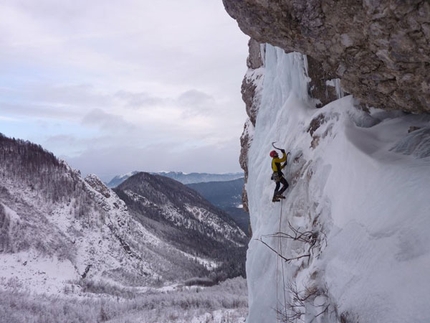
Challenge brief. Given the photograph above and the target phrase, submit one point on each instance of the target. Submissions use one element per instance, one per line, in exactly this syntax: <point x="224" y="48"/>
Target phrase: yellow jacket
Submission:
<point x="276" y="163"/>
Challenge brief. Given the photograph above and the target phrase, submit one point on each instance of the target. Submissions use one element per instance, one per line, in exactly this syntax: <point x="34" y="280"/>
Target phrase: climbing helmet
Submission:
<point x="273" y="153"/>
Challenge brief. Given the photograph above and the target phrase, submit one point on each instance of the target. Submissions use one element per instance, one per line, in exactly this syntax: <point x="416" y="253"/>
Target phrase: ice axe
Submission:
<point x="273" y="144"/>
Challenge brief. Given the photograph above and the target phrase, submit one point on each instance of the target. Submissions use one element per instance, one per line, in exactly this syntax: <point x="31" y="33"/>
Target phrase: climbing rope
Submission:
<point x="278" y="316"/>
<point x="280" y="269"/>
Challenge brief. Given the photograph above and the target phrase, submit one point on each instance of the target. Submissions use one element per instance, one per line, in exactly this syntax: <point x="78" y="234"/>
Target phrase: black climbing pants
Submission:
<point x="285" y="185"/>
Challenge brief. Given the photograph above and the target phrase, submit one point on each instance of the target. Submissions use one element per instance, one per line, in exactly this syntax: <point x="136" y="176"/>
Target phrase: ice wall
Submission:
<point x="350" y="242"/>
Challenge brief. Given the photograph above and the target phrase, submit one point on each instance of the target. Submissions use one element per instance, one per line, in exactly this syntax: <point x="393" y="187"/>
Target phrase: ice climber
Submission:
<point x="277" y="175"/>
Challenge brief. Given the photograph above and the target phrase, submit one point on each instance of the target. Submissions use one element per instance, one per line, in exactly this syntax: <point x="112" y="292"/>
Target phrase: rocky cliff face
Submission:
<point x="251" y="97"/>
<point x="380" y="49"/>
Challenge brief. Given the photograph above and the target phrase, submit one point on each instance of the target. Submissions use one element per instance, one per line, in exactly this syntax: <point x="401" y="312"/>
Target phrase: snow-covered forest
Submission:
<point x="224" y="303"/>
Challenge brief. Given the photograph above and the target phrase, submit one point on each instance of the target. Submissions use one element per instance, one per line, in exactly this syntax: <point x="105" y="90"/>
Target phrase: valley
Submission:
<point x="70" y="247"/>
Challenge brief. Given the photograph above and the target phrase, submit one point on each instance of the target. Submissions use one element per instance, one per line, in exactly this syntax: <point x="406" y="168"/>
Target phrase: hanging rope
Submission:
<point x="279" y="262"/>
<point x="284" y="290"/>
<point x="278" y="312"/>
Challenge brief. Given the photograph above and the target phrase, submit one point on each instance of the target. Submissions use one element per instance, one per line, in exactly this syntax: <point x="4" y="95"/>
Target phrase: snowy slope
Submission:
<point x="356" y="217"/>
<point x="52" y="245"/>
<point x="59" y="231"/>
<point x="166" y="200"/>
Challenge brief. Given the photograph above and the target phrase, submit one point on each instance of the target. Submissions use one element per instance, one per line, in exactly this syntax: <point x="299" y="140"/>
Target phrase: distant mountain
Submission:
<point x="183" y="178"/>
<point x="114" y="182"/>
<point x="183" y="218"/>
<point x="226" y="195"/>
<point x="200" y="177"/>
<point x="222" y="190"/>
<point x="59" y="230"/>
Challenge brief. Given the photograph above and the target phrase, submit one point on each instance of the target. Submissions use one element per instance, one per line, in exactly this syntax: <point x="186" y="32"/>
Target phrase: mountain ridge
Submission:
<point x="180" y="207"/>
<point x="184" y="178"/>
<point x="59" y="230"/>
<point x="226" y="195"/>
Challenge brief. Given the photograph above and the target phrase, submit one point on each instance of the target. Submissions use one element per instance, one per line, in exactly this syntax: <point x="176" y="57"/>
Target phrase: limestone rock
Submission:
<point x="380" y="49"/>
<point x="249" y="84"/>
<point x="251" y="97"/>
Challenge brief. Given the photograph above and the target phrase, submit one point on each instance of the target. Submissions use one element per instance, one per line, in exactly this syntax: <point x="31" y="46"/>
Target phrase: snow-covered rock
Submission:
<point x="350" y="242"/>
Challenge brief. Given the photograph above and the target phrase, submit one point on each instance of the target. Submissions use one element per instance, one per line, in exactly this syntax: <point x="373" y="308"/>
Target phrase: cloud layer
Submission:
<point x="123" y="85"/>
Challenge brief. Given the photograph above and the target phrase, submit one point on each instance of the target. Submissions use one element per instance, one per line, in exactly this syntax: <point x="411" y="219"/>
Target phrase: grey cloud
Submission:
<point x="192" y="102"/>
<point x="50" y="101"/>
<point x="110" y="161"/>
<point x="73" y="144"/>
<point x="195" y="98"/>
<point x="61" y="139"/>
<point x="139" y="100"/>
<point x="107" y="121"/>
<point x="196" y="103"/>
<point x="40" y="110"/>
<point x="148" y="95"/>
<point x="216" y="158"/>
<point x="49" y="8"/>
<point x="76" y="95"/>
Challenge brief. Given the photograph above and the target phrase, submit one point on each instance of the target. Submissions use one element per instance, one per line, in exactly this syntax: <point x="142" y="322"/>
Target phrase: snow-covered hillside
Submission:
<point x="350" y="243"/>
<point x="57" y="228"/>
<point x="60" y="232"/>
<point x="180" y="216"/>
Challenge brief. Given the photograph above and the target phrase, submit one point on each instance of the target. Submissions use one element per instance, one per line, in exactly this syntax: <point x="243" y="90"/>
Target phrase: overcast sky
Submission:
<point x="113" y="86"/>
